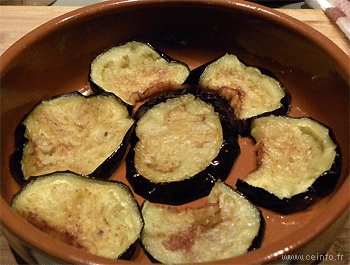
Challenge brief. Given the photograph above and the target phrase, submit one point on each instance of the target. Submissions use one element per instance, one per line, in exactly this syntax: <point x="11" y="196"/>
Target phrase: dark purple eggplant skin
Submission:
<point x="322" y="187"/>
<point x="98" y="89"/>
<point x="129" y="253"/>
<point x="244" y="124"/>
<point x="256" y="243"/>
<point x="16" y="157"/>
<point x="104" y="171"/>
<point x="199" y="185"/>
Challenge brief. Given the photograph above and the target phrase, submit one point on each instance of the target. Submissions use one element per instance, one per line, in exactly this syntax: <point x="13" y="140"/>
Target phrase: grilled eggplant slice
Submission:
<point x="184" y="142"/>
<point x="252" y="91"/>
<point x="228" y="225"/>
<point x="298" y="162"/>
<point x="136" y="70"/>
<point x="100" y="217"/>
<point x="86" y="135"/>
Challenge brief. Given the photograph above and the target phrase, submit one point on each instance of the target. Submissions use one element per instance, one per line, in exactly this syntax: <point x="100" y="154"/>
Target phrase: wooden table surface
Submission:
<point x="16" y="21"/>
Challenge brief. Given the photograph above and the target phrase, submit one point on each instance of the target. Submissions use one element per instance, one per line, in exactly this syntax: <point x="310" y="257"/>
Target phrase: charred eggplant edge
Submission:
<point x="321" y="187"/>
<point x="103" y="171"/>
<point x="180" y="192"/>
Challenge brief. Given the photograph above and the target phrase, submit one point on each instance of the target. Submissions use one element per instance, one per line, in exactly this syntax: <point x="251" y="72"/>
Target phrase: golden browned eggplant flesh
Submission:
<point x="100" y="217"/>
<point x="135" y="70"/>
<point x="183" y="148"/>
<point x="184" y="142"/>
<point x="86" y="135"/>
<point x="228" y="225"/>
<point x="298" y="163"/>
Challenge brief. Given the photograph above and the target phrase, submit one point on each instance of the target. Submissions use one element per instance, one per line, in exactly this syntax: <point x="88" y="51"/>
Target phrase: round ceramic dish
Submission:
<point x="55" y="59"/>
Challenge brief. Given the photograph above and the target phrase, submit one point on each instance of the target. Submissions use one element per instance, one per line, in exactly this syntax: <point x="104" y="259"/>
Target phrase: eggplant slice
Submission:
<point x="184" y="142"/>
<point x="298" y="162"/>
<point x="135" y="71"/>
<point x="85" y="135"/>
<point x="100" y="217"/>
<point x="228" y="225"/>
<point x="251" y="91"/>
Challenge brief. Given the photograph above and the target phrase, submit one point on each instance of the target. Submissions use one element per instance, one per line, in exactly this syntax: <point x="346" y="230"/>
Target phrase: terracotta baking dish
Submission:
<point x="55" y="59"/>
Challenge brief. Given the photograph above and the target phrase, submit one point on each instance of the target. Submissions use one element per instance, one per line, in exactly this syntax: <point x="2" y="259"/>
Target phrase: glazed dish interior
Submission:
<point x="195" y="33"/>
